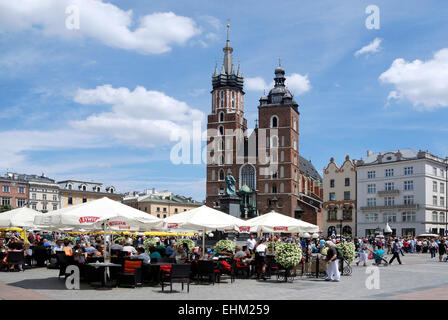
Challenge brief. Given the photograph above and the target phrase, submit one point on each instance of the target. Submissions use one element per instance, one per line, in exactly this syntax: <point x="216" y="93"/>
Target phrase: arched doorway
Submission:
<point x="331" y="231"/>
<point x="347" y="231"/>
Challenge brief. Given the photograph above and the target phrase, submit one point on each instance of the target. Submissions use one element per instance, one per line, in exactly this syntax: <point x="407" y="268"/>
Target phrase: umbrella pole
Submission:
<point x="203" y="244"/>
<point x="104" y="251"/>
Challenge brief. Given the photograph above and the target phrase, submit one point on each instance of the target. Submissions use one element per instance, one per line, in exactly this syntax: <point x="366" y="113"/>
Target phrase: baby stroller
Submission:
<point x="378" y="256"/>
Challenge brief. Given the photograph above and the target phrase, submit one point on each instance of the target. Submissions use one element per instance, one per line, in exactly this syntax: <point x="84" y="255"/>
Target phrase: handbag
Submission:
<point x="370" y="256"/>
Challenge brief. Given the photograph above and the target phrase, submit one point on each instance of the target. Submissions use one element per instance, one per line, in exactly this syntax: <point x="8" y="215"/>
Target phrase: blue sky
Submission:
<point x="99" y="102"/>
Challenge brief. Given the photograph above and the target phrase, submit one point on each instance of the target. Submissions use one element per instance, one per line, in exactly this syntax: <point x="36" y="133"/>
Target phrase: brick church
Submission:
<point x="270" y="174"/>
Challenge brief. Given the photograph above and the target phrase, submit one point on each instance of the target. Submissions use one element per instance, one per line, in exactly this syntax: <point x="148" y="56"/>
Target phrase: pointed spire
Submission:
<point x="216" y="68"/>
<point x="239" y="69"/>
<point x="228" y="59"/>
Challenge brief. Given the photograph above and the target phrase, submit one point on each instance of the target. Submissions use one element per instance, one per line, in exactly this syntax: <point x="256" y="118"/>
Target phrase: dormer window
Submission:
<point x="69" y="186"/>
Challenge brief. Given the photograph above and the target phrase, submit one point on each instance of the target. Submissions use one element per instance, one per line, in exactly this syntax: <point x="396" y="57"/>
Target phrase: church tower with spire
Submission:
<point x="226" y="126"/>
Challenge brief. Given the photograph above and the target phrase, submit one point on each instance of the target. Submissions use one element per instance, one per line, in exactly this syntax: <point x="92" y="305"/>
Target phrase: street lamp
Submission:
<point x="340" y="233"/>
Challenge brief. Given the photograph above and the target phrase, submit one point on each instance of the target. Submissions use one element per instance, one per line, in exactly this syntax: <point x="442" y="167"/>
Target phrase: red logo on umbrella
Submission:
<point x="117" y="223"/>
<point x="172" y="225"/>
<point x="244" y="229"/>
<point x="280" y="228"/>
<point x="88" y="219"/>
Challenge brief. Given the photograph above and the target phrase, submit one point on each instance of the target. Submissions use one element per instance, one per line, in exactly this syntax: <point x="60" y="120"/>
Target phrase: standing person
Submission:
<point x="442" y="249"/>
<point x="396" y="247"/>
<point x="419" y="245"/>
<point x="332" y="263"/>
<point x="260" y="258"/>
<point x="251" y="242"/>
<point x="433" y="248"/>
<point x="401" y="247"/>
<point x="363" y="254"/>
<point x="412" y="245"/>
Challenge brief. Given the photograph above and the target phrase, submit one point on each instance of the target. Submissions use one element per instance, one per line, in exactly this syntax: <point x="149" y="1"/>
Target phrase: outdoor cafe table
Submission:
<point x="106" y="266"/>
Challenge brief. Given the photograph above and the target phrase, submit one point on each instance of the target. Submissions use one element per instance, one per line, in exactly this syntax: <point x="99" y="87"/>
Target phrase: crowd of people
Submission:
<point x="41" y="245"/>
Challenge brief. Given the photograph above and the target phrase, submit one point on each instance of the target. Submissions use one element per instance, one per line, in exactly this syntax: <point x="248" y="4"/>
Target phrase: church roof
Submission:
<point x="307" y="167"/>
<point x="280" y="94"/>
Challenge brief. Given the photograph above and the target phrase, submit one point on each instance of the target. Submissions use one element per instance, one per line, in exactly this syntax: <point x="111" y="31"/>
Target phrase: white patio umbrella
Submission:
<point x="93" y="214"/>
<point x="202" y="219"/>
<point x="20" y="217"/>
<point x="99" y="214"/>
<point x="274" y="222"/>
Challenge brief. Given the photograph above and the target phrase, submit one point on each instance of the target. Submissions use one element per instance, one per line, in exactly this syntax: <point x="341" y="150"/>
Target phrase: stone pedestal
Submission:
<point x="231" y="205"/>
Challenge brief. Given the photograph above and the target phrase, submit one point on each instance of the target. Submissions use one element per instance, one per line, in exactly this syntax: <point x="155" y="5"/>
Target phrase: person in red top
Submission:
<point x="406" y="245"/>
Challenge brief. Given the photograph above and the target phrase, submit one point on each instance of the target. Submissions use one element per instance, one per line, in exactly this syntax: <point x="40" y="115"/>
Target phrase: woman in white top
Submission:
<point x="260" y="258"/>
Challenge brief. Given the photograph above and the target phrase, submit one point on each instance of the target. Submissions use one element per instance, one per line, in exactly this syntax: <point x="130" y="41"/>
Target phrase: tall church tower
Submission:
<point x="226" y="127"/>
<point x="278" y="134"/>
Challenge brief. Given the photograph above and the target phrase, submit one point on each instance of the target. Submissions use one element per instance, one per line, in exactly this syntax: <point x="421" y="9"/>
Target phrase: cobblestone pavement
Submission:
<point x="418" y="277"/>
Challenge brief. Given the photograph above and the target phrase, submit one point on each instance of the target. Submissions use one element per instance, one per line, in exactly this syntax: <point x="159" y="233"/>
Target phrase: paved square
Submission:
<point x="419" y="277"/>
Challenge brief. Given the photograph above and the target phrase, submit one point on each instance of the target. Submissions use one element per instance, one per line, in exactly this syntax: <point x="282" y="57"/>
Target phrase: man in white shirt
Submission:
<point x="130" y="249"/>
<point x="251" y="242"/>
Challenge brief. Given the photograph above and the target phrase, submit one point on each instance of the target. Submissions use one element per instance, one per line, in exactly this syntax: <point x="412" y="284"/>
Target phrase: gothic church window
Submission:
<point x="248" y="176"/>
<point x="274" y="122"/>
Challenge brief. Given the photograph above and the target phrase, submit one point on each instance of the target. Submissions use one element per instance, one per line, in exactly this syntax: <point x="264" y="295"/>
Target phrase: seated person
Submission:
<point x="160" y="248"/>
<point x="99" y="252"/>
<point x="89" y="249"/>
<point x="67" y="248"/>
<point x="141" y="254"/>
<point x="180" y="255"/>
<point x="154" y="254"/>
<point x="59" y="246"/>
<point x="223" y="252"/>
<point x="79" y="254"/>
<point x="130" y="249"/>
<point x="239" y="254"/>
<point x="169" y="250"/>
<point x="13" y="247"/>
<point x="46" y="243"/>
<point x="28" y="253"/>
<point x="117" y="245"/>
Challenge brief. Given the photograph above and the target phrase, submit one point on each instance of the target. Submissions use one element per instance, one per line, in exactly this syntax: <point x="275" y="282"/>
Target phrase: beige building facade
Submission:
<point x="161" y="204"/>
<point x="339" y="206"/>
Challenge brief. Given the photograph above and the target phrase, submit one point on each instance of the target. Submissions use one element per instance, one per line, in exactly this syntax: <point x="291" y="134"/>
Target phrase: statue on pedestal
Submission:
<point x="230" y="185"/>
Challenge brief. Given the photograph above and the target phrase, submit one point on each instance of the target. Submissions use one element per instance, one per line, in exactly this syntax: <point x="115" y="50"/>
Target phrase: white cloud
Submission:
<point x="423" y="83"/>
<point x="154" y="33"/>
<point x="372" y="47"/>
<point x="140" y="117"/>
<point x="213" y="21"/>
<point x="255" y="84"/>
<point x="297" y="83"/>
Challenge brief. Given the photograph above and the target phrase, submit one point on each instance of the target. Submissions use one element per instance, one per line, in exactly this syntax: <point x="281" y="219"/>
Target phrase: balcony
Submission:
<point x="386" y="193"/>
<point x="392" y="208"/>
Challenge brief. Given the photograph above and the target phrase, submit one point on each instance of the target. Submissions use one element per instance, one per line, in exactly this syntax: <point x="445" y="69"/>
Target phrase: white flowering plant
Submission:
<point x="148" y="243"/>
<point x="190" y="243"/>
<point x="288" y="255"/>
<point x="274" y="245"/>
<point x="347" y="250"/>
<point x="228" y="245"/>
